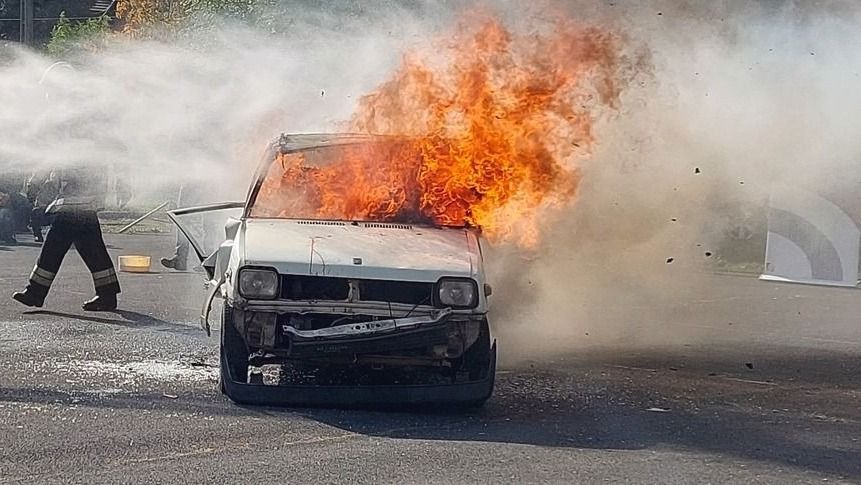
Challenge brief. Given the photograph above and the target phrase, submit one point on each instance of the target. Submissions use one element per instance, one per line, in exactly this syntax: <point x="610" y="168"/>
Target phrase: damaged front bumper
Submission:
<point x="368" y="337"/>
<point x="283" y="332"/>
<point x="397" y="338"/>
<point x="365" y="329"/>
<point x="455" y="394"/>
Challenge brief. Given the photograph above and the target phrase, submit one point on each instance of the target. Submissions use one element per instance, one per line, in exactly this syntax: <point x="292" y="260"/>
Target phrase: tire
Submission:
<point x="234" y="353"/>
<point x="476" y="359"/>
<point x="479" y="363"/>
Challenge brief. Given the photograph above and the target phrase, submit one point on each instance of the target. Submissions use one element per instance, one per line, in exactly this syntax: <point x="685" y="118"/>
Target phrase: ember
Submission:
<point x="486" y="131"/>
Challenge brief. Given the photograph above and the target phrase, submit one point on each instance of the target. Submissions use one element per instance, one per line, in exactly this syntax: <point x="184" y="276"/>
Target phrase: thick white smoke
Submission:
<point x="744" y="96"/>
<point x="202" y="107"/>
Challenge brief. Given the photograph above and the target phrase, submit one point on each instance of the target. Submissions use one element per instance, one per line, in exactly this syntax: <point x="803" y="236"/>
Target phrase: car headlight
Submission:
<point x="258" y="283"/>
<point x="457" y="293"/>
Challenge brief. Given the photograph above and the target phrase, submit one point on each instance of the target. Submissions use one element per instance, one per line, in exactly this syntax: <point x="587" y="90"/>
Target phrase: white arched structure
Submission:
<point x="810" y="240"/>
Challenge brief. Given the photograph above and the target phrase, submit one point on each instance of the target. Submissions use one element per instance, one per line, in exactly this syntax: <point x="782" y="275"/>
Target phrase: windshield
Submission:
<point x="375" y="181"/>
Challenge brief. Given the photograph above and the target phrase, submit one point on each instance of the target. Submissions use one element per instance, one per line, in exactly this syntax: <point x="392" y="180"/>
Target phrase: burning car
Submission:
<point x="383" y="308"/>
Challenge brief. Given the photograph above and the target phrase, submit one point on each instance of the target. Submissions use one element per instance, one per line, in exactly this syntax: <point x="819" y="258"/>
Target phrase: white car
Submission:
<point x="354" y="312"/>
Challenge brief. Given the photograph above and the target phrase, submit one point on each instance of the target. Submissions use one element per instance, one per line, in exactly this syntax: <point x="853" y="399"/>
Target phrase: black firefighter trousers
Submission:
<point x="82" y="229"/>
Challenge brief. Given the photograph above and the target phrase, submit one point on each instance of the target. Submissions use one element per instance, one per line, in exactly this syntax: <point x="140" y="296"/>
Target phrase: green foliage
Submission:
<point x="68" y="36"/>
<point x="238" y="9"/>
<point x="203" y="15"/>
<point x="210" y="15"/>
<point x="166" y="19"/>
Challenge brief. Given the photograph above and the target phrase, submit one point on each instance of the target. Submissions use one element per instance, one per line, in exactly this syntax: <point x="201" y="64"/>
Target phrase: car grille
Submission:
<point x="396" y="291"/>
<point x="298" y="287"/>
<point x="295" y="287"/>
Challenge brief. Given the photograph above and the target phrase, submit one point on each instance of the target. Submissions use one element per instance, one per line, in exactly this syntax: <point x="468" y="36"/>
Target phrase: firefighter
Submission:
<point x="75" y="222"/>
<point x="41" y="190"/>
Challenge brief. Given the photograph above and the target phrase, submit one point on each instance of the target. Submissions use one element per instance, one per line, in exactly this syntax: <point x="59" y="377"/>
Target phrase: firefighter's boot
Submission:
<point x="104" y="302"/>
<point x="28" y="298"/>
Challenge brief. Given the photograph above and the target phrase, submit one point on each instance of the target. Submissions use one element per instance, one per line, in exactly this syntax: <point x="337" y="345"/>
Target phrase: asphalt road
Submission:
<point x="130" y="397"/>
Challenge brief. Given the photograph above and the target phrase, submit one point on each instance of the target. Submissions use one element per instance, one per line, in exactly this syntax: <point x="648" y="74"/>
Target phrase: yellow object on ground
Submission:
<point x="135" y="264"/>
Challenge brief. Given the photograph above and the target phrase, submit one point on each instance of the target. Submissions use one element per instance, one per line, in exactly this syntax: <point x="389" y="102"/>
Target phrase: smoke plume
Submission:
<point x="744" y="96"/>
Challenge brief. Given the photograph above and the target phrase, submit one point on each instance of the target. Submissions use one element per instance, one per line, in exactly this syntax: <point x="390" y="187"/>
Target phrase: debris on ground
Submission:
<point x="658" y="410"/>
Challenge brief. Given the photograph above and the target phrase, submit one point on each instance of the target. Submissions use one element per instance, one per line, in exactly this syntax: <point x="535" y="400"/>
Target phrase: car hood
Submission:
<point x="360" y="250"/>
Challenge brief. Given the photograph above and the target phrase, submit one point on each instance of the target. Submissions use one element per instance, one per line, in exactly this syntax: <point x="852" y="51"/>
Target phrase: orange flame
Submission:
<point x="490" y="129"/>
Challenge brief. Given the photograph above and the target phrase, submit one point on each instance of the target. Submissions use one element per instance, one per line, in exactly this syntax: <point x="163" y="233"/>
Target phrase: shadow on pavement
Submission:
<point x="128" y="319"/>
<point x="590" y="405"/>
<point x="733" y="434"/>
<point x="796" y="409"/>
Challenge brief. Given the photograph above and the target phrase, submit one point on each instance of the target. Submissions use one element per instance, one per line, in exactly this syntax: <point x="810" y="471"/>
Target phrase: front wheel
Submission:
<point x="479" y="362"/>
<point x="233" y="355"/>
<point x="476" y="359"/>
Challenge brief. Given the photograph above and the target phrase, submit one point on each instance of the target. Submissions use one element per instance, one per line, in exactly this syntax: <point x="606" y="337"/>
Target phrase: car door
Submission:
<point x="210" y="230"/>
<point x="207" y="227"/>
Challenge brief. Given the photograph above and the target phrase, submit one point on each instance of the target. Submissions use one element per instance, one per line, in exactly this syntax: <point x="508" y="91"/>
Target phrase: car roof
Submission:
<point x="297" y="142"/>
<point x="293" y="142"/>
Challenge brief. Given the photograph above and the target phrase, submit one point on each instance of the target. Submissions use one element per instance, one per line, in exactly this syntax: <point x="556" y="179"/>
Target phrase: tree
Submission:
<point x="148" y="18"/>
<point x="67" y="36"/>
<point x="164" y="18"/>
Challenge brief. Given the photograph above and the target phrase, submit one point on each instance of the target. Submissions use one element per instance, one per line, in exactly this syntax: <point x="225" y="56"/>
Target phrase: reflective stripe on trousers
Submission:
<point x="42" y="277"/>
<point x="104" y="278"/>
